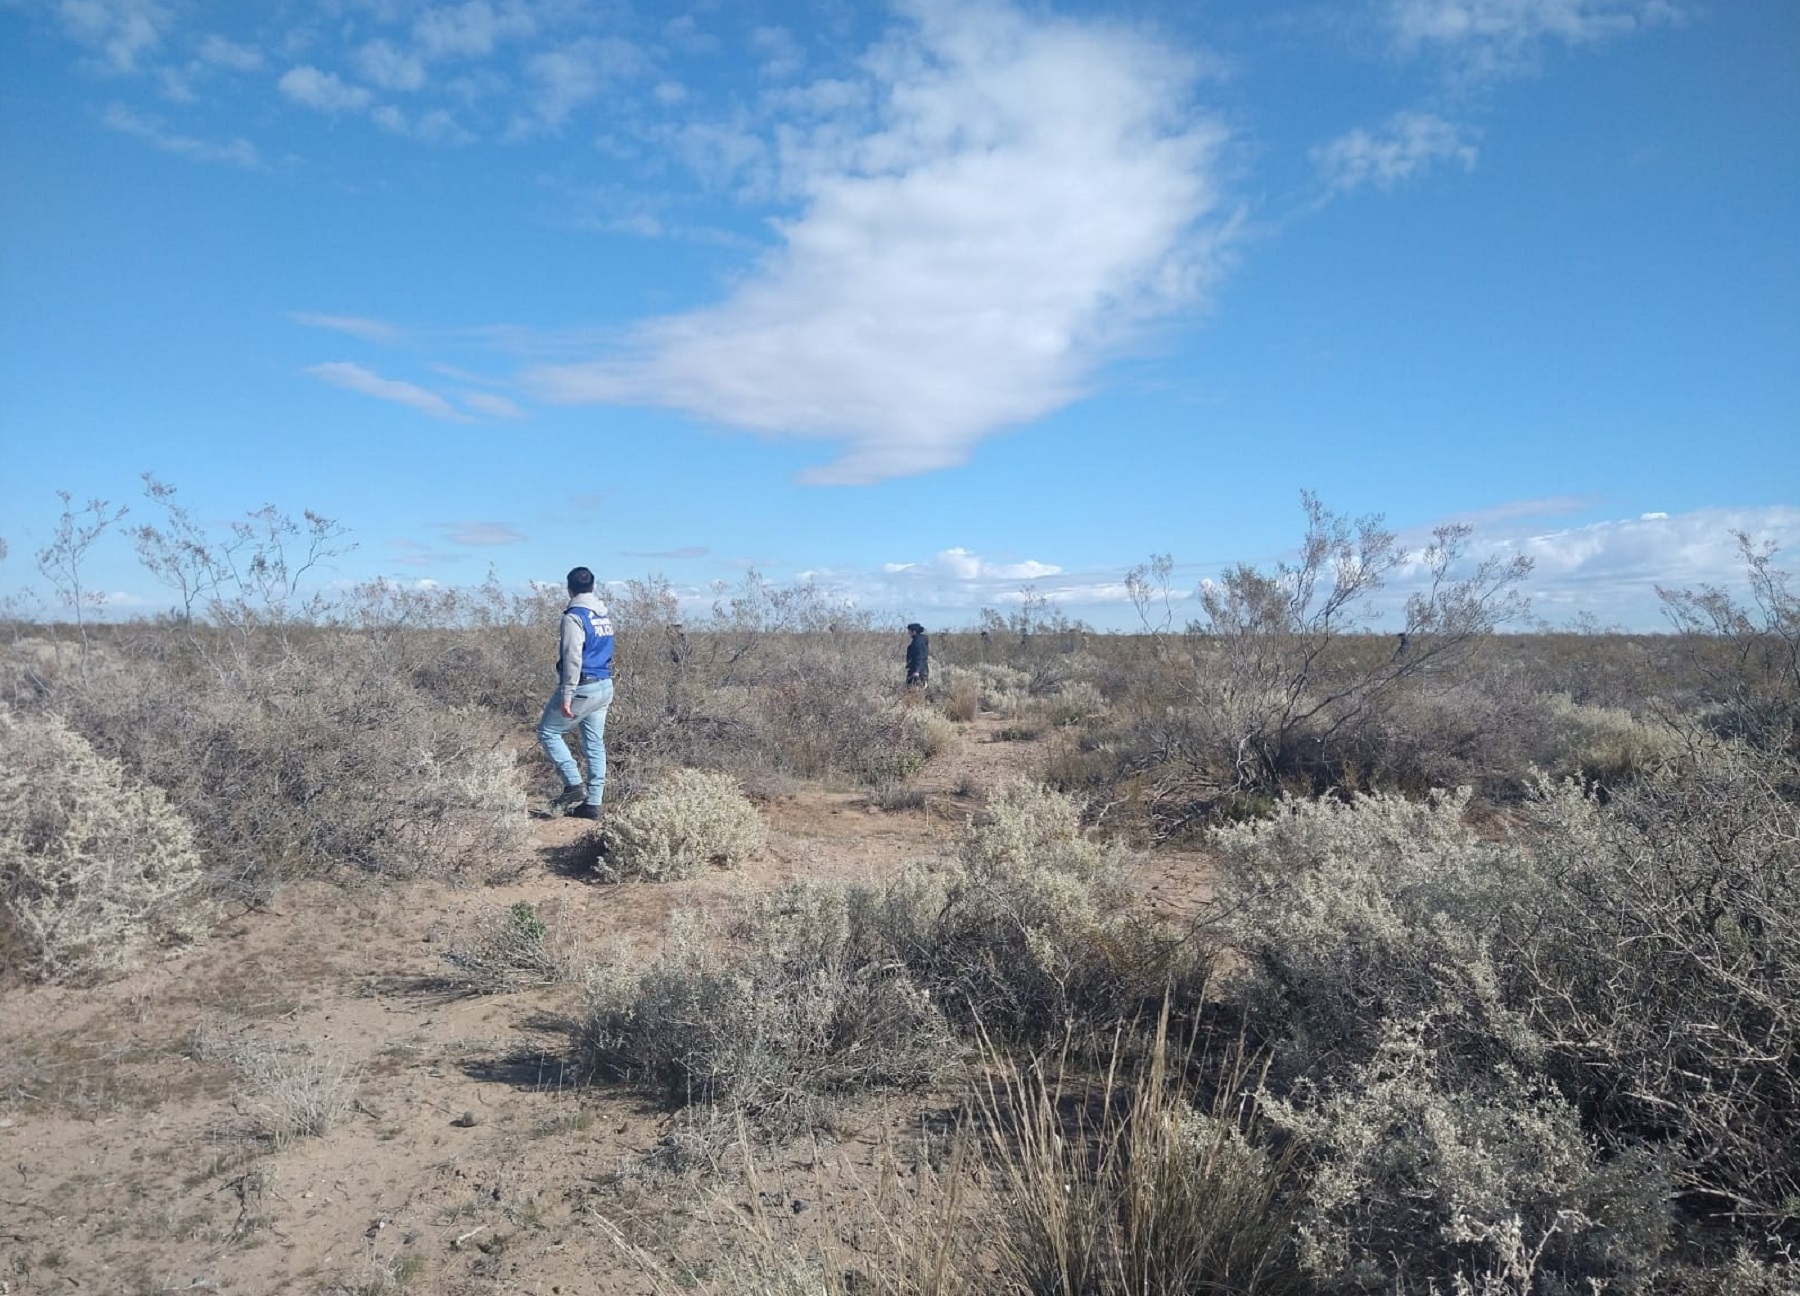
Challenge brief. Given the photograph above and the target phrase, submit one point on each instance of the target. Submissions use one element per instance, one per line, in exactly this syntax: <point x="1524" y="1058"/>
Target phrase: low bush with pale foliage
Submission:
<point x="680" y="826"/>
<point x="95" y="867"/>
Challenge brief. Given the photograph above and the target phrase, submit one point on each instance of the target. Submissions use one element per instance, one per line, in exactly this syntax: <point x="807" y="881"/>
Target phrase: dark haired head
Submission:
<point x="915" y="627"/>
<point x="581" y="581"/>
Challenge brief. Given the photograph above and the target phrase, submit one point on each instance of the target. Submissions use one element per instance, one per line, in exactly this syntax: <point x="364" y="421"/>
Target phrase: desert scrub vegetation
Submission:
<point x="777" y="1014"/>
<point x="821" y="991"/>
<point x="95" y="867"/>
<point x="681" y="825"/>
<point x="504" y="949"/>
<point x="1574" y="1043"/>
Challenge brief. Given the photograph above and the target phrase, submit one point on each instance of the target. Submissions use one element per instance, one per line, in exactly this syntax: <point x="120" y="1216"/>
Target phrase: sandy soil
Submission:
<point x="130" y="1157"/>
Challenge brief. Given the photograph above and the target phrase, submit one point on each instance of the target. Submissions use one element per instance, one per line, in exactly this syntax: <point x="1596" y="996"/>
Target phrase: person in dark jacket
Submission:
<point x="918" y="656"/>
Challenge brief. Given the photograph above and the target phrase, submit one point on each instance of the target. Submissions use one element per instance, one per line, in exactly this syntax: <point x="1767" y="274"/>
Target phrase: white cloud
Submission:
<point x="369" y="330"/>
<point x="237" y="152"/>
<point x="492" y="405"/>
<point x="1498" y="37"/>
<point x="356" y="378"/>
<point x="469" y="30"/>
<point x="961" y="565"/>
<point x="229" y="54"/>
<point x="1408" y="143"/>
<point x="325" y="91"/>
<point x="438" y="126"/>
<point x="565" y="79"/>
<point x="781" y="54"/>
<point x="390" y="68"/>
<point x="121" y="30"/>
<point x="1032" y="193"/>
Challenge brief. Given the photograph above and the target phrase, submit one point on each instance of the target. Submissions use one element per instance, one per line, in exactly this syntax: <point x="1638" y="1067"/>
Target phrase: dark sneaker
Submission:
<point x="566" y="800"/>
<point x="586" y="811"/>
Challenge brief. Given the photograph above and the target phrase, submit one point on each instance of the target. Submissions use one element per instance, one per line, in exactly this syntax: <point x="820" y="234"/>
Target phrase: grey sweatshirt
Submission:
<point x="574" y="636"/>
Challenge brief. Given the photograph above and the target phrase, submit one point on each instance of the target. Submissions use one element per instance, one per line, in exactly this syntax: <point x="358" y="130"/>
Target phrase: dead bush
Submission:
<point x="504" y="949"/>
<point x="95" y="867"/>
<point x="685" y="823"/>
<point x="292" y="1092"/>
<point x="779" y="1014"/>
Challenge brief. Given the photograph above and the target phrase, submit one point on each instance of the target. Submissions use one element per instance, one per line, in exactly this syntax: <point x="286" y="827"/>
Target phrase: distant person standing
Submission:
<point x="584" y="691"/>
<point x="918" y="657"/>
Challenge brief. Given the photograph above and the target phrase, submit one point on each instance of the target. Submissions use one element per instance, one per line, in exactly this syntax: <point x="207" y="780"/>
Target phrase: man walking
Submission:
<point x="583" y="692"/>
<point x="918" y="657"/>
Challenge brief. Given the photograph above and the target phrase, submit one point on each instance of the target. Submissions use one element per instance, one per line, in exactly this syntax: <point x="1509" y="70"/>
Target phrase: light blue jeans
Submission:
<point x="589" y="705"/>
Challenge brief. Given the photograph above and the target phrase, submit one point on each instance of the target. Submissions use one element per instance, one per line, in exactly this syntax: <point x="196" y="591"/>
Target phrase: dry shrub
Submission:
<point x="934" y="734"/>
<point x="316" y="760"/>
<point x="1577" y="1041"/>
<point x="820" y="990"/>
<point x="292" y="1092"/>
<point x="1037" y="931"/>
<point x="1075" y="701"/>
<point x="960" y="696"/>
<point x="682" y="825"/>
<point x="505" y="949"/>
<point x="1605" y="743"/>
<point x="778" y="1014"/>
<point x="95" y="867"/>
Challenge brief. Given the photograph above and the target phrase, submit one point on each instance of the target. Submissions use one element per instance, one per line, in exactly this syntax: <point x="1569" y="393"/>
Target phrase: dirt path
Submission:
<point x="464" y="1161"/>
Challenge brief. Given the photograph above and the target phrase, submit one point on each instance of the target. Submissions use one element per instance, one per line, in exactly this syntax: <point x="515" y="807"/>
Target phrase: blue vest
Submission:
<point x="597" y="647"/>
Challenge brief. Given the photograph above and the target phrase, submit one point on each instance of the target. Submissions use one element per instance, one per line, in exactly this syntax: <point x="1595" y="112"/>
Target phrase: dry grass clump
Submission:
<point x="95" y="867"/>
<point x="1127" y="1186"/>
<point x="682" y="825"/>
<point x="292" y="1093"/>
<point x="1539" y="1063"/>
<point x="778" y="1014"/>
<point x="509" y="948"/>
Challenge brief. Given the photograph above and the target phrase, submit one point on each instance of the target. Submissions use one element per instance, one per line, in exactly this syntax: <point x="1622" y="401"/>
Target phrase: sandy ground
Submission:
<point x="130" y="1157"/>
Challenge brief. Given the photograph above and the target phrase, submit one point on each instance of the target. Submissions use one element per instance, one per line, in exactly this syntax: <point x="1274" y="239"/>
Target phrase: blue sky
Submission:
<point x="923" y="301"/>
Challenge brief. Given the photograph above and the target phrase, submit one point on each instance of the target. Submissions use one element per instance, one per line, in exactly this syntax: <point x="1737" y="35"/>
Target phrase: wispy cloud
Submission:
<point x="237" y="152"/>
<point x="470" y="30"/>
<point x="1485" y="38"/>
<point x="325" y="91"/>
<point x="1033" y="192"/>
<point x="1406" y="144"/>
<point x="1546" y="506"/>
<point x="220" y="52"/>
<point x="384" y="64"/>
<point x="482" y="533"/>
<point x="122" y="32"/>
<point x="494" y="406"/>
<point x="369" y="330"/>
<point x="354" y="377"/>
<point x="962" y="565"/>
<point x="1613" y="566"/>
<point x="566" y="78"/>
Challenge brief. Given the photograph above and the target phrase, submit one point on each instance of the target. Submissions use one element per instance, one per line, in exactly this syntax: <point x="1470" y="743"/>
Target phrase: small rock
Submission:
<point x="469" y="1119"/>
